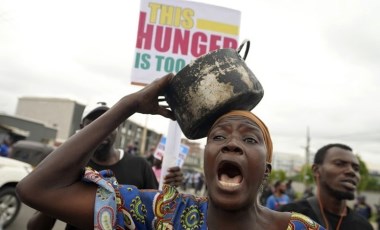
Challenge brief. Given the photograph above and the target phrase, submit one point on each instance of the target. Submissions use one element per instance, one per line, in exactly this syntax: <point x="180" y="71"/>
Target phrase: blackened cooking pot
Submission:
<point x="211" y="85"/>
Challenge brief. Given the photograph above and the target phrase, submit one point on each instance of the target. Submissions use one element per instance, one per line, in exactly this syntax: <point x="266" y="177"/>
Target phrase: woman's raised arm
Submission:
<point x="55" y="186"/>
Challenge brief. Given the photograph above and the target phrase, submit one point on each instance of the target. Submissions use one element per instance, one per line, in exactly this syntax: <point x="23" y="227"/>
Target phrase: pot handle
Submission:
<point x="246" y="41"/>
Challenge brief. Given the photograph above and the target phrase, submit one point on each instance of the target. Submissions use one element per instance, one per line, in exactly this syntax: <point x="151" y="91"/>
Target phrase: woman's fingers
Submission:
<point x="174" y="176"/>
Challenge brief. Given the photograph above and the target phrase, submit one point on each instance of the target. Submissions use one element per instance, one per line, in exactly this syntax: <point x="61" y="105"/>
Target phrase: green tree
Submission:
<point x="373" y="184"/>
<point x="277" y="175"/>
<point x="306" y="175"/>
<point x="364" y="175"/>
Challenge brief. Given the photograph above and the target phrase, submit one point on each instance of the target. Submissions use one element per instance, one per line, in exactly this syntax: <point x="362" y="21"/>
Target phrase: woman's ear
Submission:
<point x="268" y="169"/>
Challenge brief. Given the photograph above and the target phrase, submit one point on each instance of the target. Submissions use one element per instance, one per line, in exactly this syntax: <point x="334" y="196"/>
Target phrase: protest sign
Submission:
<point x="176" y="154"/>
<point x="178" y="158"/>
<point x="171" y="33"/>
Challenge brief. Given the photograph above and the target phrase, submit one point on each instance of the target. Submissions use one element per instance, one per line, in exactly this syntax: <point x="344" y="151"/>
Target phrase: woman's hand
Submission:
<point x="149" y="98"/>
<point x="174" y="176"/>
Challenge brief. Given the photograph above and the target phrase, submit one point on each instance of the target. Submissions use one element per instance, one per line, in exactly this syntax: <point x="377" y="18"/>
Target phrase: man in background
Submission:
<point x="336" y="172"/>
<point x="278" y="198"/>
<point x="5" y="147"/>
<point x="290" y="191"/>
<point x="362" y="208"/>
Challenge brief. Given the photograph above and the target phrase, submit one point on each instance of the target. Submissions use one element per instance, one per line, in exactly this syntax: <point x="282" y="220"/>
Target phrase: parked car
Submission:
<point x="11" y="171"/>
<point x="31" y="152"/>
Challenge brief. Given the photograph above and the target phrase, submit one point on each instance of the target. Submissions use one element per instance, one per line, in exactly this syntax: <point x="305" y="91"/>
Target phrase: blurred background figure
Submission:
<point x="267" y="191"/>
<point x="200" y="181"/>
<point x="157" y="164"/>
<point x="278" y="198"/>
<point x="5" y="147"/>
<point x="377" y="207"/>
<point x="186" y="179"/>
<point x="132" y="149"/>
<point x="362" y="208"/>
<point x="149" y="156"/>
<point x="290" y="191"/>
<point x="308" y="192"/>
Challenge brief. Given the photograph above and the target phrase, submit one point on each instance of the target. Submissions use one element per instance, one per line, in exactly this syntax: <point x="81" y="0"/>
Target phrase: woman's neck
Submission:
<point x="252" y="217"/>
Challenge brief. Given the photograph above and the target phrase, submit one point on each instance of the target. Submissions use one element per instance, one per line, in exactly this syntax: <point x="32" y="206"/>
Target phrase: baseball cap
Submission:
<point x="94" y="111"/>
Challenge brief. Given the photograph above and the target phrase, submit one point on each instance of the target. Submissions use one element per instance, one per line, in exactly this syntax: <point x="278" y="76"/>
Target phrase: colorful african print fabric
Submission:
<point x="299" y="221"/>
<point x="126" y="207"/>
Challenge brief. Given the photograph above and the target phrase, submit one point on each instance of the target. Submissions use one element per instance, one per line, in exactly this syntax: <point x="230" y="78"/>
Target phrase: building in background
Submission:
<point x="195" y="157"/>
<point x="135" y="135"/>
<point x="60" y="113"/>
<point x="54" y="120"/>
<point x="18" y="128"/>
<point x="65" y="116"/>
<point x="290" y="163"/>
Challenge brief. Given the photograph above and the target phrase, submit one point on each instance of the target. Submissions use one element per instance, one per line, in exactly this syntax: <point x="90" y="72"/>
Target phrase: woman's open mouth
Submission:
<point x="229" y="174"/>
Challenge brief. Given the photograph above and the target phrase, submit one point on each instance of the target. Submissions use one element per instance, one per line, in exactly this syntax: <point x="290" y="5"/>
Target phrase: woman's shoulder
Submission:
<point x="299" y="221"/>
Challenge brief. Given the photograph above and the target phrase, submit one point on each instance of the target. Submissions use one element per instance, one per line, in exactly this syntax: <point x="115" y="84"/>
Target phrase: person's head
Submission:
<point x="102" y="151"/>
<point x="152" y="150"/>
<point x="361" y="199"/>
<point x="309" y="189"/>
<point x="237" y="158"/>
<point x="279" y="187"/>
<point x="157" y="163"/>
<point x="289" y="184"/>
<point x="336" y="170"/>
<point x="91" y="113"/>
<point x="8" y="141"/>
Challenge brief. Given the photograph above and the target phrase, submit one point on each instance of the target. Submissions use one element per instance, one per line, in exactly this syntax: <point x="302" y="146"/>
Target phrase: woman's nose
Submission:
<point x="232" y="146"/>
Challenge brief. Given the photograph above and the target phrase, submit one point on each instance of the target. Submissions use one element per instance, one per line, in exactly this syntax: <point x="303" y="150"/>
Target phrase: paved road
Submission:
<point x="23" y="217"/>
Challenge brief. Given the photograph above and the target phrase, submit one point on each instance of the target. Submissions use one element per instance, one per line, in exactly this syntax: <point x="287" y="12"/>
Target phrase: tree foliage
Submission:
<point x="364" y="175"/>
<point x="307" y="175"/>
<point x="373" y="184"/>
<point x="277" y="175"/>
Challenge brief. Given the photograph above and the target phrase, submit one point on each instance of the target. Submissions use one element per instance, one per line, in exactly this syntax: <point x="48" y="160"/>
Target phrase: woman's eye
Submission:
<point x="218" y="138"/>
<point x="250" y="140"/>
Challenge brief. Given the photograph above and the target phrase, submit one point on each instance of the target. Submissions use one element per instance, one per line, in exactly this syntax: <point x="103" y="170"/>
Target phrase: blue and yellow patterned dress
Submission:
<point x="126" y="207"/>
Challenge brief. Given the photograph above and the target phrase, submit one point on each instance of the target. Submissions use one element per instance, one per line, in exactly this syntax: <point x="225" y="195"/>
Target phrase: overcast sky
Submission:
<point x="318" y="61"/>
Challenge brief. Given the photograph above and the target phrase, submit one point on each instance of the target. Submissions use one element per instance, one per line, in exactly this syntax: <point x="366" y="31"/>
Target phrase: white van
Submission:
<point x="11" y="172"/>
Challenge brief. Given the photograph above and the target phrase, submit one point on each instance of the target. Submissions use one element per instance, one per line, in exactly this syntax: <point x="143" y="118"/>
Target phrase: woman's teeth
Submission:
<point x="227" y="181"/>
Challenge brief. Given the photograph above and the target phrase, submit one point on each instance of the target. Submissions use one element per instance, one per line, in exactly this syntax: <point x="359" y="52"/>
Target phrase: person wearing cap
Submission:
<point x="336" y="172"/>
<point x="237" y="158"/>
<point x="127" y="168"/>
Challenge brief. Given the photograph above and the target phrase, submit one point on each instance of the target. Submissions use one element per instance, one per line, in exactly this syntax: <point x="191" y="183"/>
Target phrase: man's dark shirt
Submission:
<point x="352" y="221"/>
<point x="131" y="170"/>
